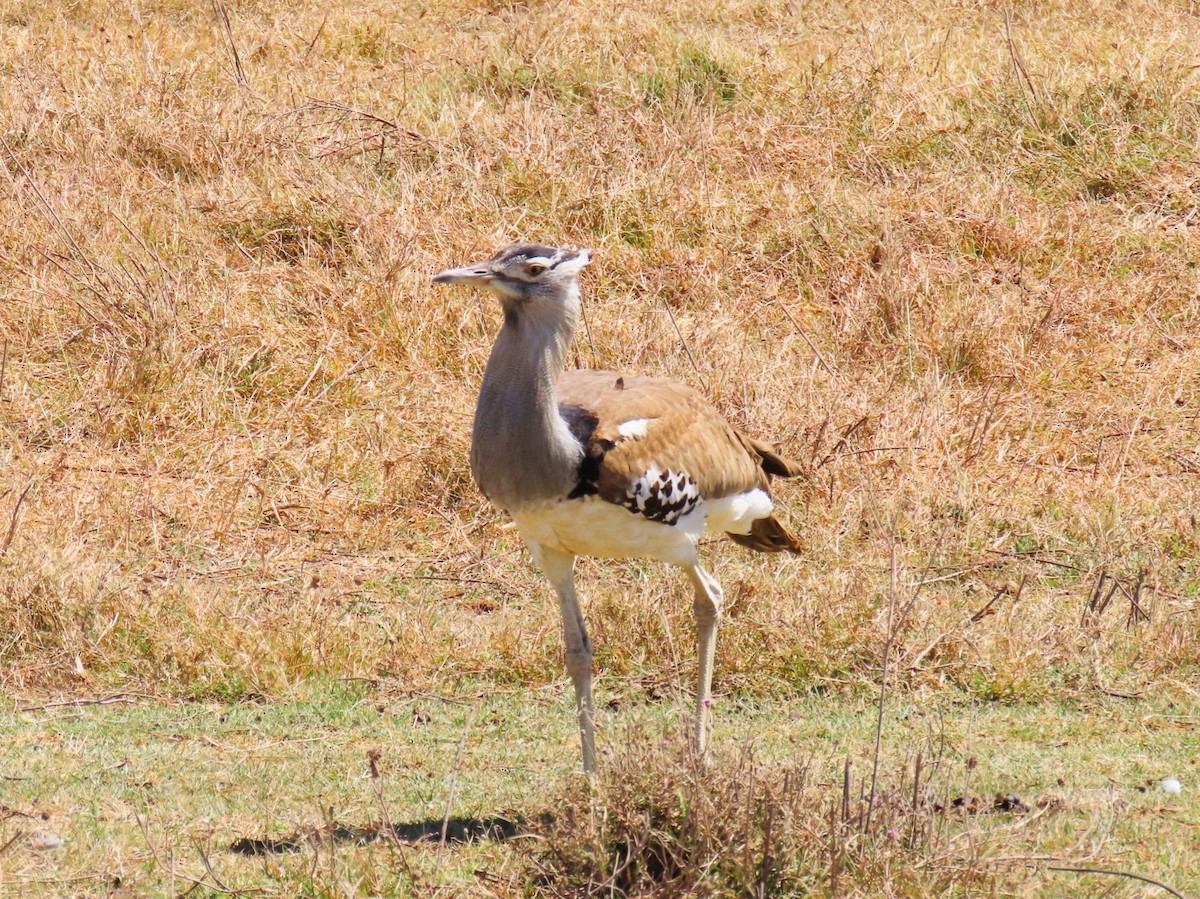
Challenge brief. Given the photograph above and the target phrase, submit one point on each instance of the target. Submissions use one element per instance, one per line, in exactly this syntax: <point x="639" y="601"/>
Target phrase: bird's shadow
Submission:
<point x="432" y="830"/>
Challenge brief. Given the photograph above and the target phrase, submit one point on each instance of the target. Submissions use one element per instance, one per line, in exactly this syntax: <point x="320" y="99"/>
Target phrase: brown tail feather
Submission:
<point x="767" y="535"/>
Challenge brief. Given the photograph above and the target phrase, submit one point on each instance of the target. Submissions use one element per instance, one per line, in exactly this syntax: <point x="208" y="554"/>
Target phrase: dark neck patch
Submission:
<point x="582" y="424"/>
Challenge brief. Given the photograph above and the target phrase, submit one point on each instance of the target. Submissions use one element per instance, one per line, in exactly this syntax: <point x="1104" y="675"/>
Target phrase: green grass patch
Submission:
<point x="153" y="796"/>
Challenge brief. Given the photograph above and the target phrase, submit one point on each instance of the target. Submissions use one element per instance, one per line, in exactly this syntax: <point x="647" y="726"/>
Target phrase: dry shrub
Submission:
<point x="657" y="822"/>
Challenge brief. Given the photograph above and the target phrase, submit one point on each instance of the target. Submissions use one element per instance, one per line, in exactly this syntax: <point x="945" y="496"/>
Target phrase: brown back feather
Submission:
<point x="686" y="433"/>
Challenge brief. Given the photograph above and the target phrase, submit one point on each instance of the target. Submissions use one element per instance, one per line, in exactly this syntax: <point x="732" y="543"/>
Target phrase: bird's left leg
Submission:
<point x="707" y="607"/>
<point x="559" y="568"/>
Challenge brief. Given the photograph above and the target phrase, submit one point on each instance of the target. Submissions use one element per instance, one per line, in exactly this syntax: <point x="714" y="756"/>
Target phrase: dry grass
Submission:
<point x="957" y="273"/>
<point x="239" y="410"/>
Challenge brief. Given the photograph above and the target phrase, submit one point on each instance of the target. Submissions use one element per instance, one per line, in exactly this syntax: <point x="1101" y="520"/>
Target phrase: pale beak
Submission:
<point x="477" y="275"/>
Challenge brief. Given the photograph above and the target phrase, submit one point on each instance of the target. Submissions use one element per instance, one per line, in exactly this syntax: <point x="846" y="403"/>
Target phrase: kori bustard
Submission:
<point x="594" y="463"/>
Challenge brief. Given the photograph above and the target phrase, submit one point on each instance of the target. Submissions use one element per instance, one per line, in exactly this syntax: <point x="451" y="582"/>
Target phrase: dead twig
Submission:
<point x="450" y="792"/>
<point x="861" y="452"/>
<point x="1030" y="557"/>
<point x="842" y="441"/>
<point x="341" y="114"/>
<point x="1101" y="685"/>
<point x="316" y="37"/>
<point x="51" y="214"/>
<point x="216" y="881"/>
<point x="894" y="626"/>
<point x="1111" y="873"/>
<point x="12" y="522"/>
<point x="291" y="406"/>
<point x="1137" y="614"/>
<point x="952" y="575"/>
<point x="804" y="335"/>
<point x="1098" y="600"/>
<point x="16" y="836"/>
<point x="929" y="647"/>
<point x="453" y="579"/>
<point x="374" y="756"/>
<point x="104" y="700"/>
<point x="223" y="17"/>
<point x="683" y="342"/>
<point x="887" y="652"/>
<point x="343" y="376"/>
<point x="1023" y="79"/>
<point x="987" y="609"/>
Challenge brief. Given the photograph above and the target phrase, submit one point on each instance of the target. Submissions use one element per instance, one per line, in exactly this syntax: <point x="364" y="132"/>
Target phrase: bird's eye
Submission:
<point x="535" y="268"/>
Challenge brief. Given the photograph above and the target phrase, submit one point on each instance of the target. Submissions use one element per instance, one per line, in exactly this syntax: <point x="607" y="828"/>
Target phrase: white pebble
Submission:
<point x="44" y="840"/>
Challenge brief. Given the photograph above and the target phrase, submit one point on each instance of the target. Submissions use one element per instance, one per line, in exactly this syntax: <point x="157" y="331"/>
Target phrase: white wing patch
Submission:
<point x="634" y="429"/>
<point x="664" y="496"/>
<point x="736" y="514"/>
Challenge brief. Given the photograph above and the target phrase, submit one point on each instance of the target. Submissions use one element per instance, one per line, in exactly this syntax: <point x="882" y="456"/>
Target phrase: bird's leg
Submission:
<point x="559" y="568"/>
<point x="707" y="607"/>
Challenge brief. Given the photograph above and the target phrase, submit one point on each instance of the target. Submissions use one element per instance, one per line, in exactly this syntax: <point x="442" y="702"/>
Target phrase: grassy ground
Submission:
<point x="945" y="254"/>
<point x="147" y="795"/>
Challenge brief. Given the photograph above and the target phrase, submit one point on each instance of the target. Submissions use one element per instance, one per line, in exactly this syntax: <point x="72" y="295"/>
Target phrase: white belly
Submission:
<point x="591" y="526"/>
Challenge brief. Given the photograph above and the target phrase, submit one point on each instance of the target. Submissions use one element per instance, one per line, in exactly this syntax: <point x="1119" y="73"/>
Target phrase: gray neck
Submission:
<point x="522" y="452"/>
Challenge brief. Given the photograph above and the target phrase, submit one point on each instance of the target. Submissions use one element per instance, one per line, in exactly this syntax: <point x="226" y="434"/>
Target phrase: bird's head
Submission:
<point x="525" y="275"/>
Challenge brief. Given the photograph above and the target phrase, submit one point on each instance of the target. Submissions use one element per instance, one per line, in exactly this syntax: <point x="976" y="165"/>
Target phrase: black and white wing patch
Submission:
<point x="656" y="494"/>
<point x="664" y="496"/>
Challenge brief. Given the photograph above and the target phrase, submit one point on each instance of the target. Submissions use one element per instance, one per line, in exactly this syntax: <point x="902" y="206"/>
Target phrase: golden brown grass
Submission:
<point x="949" y="261"/>
<point x="234" y="410"/>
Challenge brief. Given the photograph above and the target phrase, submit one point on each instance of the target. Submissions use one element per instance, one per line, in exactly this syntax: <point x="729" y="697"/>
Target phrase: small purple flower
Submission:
<point x="891" y="833"/>
<point x="706" y="702"/>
